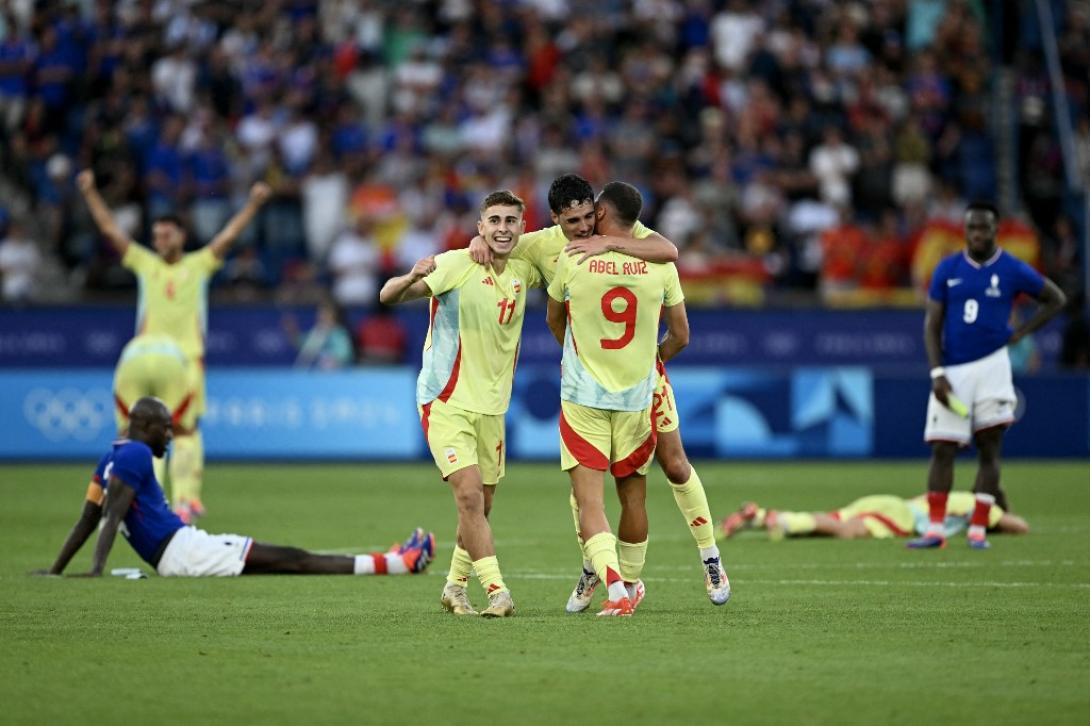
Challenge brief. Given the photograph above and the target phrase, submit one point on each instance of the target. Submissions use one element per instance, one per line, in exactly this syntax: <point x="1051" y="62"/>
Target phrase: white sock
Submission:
<point x="365" y="564"/>
<point x="709" y="553"/>
<point x="588" y="567"/>
<point x="617" y="591"/>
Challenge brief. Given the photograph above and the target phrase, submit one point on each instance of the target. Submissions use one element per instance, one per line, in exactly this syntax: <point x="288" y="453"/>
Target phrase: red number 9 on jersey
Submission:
<point x="626" y="315"/>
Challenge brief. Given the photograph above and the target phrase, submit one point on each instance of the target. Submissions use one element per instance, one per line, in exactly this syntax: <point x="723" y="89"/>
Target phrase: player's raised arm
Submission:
<point x="221" y="243"/>
<point x="120" y="241"/>
<point x="118" y="500"/>
<point x="932" y="340"/>
<point x="1052" y="301"/>
<point x="410" y="286"/>
<point x="653" y="248"/>
<point x="677" y="332"/>
<point x="81" y="530"/>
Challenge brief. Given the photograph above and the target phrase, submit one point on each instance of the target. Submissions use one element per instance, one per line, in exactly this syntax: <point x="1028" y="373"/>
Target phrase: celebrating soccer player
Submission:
<point x="173" y="302"/>
<point x="125" y="496"/>
<point x="606" y="315"/>
<point x="464" y="386"/>
<point x="966" y="332"/>
<point x="571" y="204"/>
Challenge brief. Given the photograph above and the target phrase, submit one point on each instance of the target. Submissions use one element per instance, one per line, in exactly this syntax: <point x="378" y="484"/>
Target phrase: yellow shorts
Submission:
<point x="621" y="441"/>
<point x="163" y="375"/>
<point x="663" y="409"/>
<point x="458" y="438"/>
<point x="883" y="515"/>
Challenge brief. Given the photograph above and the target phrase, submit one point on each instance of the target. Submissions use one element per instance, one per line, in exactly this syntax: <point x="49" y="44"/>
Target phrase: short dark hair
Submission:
<point x="982" y="206"/>
<point x="569" y="190"/>
<point x="502" y="198"/>
<point x="170" y="219"/>
<point x="625" y="199"/>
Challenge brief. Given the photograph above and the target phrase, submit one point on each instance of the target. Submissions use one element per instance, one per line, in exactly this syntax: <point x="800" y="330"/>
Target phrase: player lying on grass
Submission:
<point x="126" y="495"/>
<point x="880" y="516"/>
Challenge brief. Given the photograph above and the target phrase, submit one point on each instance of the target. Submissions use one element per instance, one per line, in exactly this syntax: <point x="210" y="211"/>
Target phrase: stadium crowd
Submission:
<point x="798" y="145"/>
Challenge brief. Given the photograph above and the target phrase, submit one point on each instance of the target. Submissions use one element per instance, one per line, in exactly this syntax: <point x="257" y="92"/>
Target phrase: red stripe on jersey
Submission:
<point x="448" y="390"/>
<point x="886" y="521"/>
<point x="121" y="407"/>
<point x="661" y="368"/>
<point x="180" y="410"/>
<point x="583" y="451"/>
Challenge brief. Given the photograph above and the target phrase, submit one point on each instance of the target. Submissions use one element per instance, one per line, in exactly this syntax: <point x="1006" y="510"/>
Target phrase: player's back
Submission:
<point x="614" y="303"/>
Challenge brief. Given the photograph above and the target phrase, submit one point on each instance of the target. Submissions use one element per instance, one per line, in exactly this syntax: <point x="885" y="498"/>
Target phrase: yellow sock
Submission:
<point x="631" y="558"/>
<point x="601" y="551"/>
<point x="460" y="566"/>
<point x="488" y="572"/>
<point x="795" y="523"/>
<point x="182" y="461"/>
<point x="693" y="503"/>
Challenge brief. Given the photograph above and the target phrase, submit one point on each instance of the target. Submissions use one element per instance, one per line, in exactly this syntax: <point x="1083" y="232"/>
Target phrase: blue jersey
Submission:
<point x="149" y="520"/>
<point x="978" y="299"/>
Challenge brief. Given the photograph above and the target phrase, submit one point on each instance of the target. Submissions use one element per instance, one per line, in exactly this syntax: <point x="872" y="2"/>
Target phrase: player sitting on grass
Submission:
<point x="135" y="504"/>
<point x="879" y="516"/>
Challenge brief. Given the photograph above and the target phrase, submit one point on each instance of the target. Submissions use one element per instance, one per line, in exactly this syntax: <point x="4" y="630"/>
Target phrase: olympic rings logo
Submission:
<point x="69" y="413"/>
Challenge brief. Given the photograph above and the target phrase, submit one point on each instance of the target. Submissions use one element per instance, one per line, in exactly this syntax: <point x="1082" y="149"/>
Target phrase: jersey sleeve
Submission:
<point x="139" y="259"/>
<point x="674" y="294"/>
<point x="206" y="260"/>
<point x="132" y="465"/>
<point x="937" y="291"/>
<point x="1027" y="279"/>
<point x="641" y="231"/>
<point x="531" y="249"/>
<point x="450" y="270"/>
<point x="560" y="279"/>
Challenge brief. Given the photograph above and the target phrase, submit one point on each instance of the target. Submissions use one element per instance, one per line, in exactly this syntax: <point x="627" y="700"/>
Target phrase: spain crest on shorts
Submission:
<point x="452" y="455"/>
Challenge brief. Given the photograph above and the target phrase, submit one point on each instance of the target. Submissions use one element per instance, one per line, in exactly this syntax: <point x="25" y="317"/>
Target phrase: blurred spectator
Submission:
<point x="354" y="263"/>
<point x="325" y="199"/>
<point x="381" y="337"/>
<point x="19" y="264"/>
<point x="326" y="346"/>
<point x="834" y="162"/>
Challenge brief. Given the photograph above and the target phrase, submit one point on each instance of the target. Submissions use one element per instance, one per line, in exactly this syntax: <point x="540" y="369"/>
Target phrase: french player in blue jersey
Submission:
<point x="126" y="495"/>
<point x="966" y="332"/>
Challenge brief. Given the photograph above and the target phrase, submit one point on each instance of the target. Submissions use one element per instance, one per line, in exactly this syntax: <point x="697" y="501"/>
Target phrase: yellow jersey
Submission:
<point x="543" y="247"/>
<point x="613" y="303"/>
<point x="475" y="324"/>
<point x="173" y="298"/>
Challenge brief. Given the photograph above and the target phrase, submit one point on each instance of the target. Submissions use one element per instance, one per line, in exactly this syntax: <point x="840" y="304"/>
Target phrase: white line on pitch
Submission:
<point x="834" y="583"/>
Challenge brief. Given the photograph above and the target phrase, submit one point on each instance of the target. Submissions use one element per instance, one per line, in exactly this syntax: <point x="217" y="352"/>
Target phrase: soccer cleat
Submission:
<point x="580" y="597"/>
<point x="928" y="541"/>
<point x="418" y="550"/>
<point x="716" y="582"/>
<point x="736" y="521"/>
<point x="636" y="592"/>
<point x="184" y="513"/>
<point x="500" y="605"/>
<point x="617" y="608"/>
<point x="979" y="543"/>
<point x="456" y="601"/>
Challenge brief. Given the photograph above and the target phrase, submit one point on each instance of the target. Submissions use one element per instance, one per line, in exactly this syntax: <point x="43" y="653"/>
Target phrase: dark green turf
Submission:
<point x="817" y="631"/>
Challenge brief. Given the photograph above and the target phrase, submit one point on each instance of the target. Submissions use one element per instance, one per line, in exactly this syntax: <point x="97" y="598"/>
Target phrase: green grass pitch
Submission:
<point x="817" y="631"/>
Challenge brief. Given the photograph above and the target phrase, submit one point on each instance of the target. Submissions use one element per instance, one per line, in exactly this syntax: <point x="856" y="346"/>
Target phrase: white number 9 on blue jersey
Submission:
<point x="972" y="307"/>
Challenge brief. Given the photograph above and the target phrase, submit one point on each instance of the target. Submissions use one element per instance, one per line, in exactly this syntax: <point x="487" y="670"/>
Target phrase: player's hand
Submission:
<point x="85" y="181"/>
<point x="480" y="251"/>
<point x="260" y="193"/>
<point x="587" y="247"/>
<point x="423" y="268"/>
<point x="942" y="389"/>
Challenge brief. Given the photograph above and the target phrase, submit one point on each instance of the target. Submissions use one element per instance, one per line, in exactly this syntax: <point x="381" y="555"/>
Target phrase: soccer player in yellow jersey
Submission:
<point x="464" y="386"/>
<point x="174" y="302"/>
<point x="880" y="516"/>
<point x="606" y="315"/>
<point x="571" y="203"/>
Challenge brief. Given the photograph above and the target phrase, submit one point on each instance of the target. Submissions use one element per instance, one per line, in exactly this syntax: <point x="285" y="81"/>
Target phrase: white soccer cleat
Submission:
<point x="636" y="592"/>
<point x="500" y="605"/>
<point x="456" y="601"/>
<point x="580" y="597"/>
<point x="716" y="582"/>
